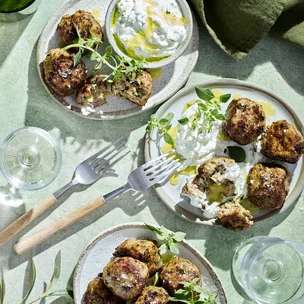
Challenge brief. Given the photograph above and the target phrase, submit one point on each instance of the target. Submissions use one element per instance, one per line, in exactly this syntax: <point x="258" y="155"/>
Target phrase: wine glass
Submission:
<point x="270" y="270"/>
<point x="30" y="158"/>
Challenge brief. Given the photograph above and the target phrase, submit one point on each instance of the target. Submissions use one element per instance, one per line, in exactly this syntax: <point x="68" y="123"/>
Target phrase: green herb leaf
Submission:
<point x="179" y="236"/>
<point x="56" y="272"/>
<point x="224" y="98"/>
<point x="173" y="247"/>
<point x="220" y="116"/>
<point x="32" y="283"/>
<point x="183" y="121"/>
<point x="77" y="58"/>
<point x="202" y="106"/>
<point x="158" y="231"/>
<point x="163" y="121"/>
<point x="204" y="94"/>
<point x="169" y="116"/>
<point x="237" y="153"/>
<point x="168" y="139"/>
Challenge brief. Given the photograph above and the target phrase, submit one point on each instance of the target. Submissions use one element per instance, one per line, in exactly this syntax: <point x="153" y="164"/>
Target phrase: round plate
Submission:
<point x="100" y="251"/>
<point x="171" y="195"/>
<point x="173" y="76"/>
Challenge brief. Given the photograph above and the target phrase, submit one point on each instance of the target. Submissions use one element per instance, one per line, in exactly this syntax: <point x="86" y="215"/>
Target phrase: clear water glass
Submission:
<point x="30" y="158"/>
<point x="270" y="270"/>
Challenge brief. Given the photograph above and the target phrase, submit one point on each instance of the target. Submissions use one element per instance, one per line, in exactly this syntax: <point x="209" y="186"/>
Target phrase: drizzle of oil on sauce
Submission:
<point x="156" y="73"/>
<point x="268" y="107"/>
<point x="222" y="136"/>
<point x="167" y="147"/>
<point x="249" y="206"/>
<point x="107" y="94"/>
<point x="217" y="192"/>
<point x="236" y="96"/>
<point x="189" y="171"/>
<point x="217" y="93"/>
<point x="96" y="13"/>
<point x="188" y="105"/>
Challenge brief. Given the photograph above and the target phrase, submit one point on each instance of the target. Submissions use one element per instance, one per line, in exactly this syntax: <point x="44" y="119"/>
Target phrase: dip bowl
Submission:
<point x="187" y="14"/>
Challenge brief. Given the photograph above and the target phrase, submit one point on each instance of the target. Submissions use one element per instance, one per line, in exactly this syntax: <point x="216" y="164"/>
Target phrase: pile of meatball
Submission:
<point x="64" y="79"/>
<point x="125" y="278"/>
<point x="267" y="183"/>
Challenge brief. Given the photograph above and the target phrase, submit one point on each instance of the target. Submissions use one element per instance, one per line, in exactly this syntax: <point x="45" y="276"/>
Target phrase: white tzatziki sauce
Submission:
<point x="151" y="29"/>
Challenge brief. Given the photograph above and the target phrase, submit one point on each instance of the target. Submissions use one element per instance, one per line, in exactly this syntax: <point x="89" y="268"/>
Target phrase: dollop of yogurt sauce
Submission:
<point x="151" y="29"/>
<point x="197" y="147"/>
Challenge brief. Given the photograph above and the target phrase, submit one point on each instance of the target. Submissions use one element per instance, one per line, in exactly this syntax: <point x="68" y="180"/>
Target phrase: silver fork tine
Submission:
<point x="93" y="163"/>
<point x="94" y="156"/>
<point x="165" y="174"/>
<point x="161" y="164"/>
<point x="163" y="169"/>
<point x="155" y="161"/>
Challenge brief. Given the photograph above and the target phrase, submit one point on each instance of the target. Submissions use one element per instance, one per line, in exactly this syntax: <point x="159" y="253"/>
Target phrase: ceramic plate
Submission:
<point x="167" y="80"/>
<point x="99" y="252"/>
<point x="171" y="194"/>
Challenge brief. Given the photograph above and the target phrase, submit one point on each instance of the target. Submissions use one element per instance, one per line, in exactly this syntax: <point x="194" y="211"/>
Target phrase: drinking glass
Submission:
<point x="270" y="270"/>
<point x="30" y="158"/>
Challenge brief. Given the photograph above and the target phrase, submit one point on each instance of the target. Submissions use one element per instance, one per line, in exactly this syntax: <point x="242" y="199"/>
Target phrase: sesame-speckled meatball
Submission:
<point x="153" y="294"/>
<point x="126" y="277"/>
<point x="268" y="186"/>
<point x="234" y="216"/>
<point x="176" y="271"/>
<point x="245" y="121"/>
<point x="137" y="90"/>
<point x="93" y="92"/>
<point x="98" y="293"/>
<point x="61" y="75"/>
<point x="87" y="25"/>
<point x="143" y="250"/>
<point x="283" y="142"/>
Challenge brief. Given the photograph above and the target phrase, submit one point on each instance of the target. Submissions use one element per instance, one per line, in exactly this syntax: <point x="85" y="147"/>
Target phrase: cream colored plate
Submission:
<point x="171" y="194"/>
<point x="99" y="252"/>
<point x="174" y="75"/>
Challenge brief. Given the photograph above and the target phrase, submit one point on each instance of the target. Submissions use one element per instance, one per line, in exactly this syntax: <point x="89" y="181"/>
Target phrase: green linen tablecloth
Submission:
<point x="238" y="25"/>
<point x="273" y="63"/>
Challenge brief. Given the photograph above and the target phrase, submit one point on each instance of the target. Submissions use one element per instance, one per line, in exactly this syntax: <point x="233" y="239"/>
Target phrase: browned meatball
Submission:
<point x="268" y="186"/>
<point x="234" y="216"/>
<point x="245" y="121"/>
<point x="126" y="277"/>
<point x="153" y="295"/>
<point x="142" y="250"/>
<point x="98" y="293"/>
<point x="137" y="90"/>
<point x="61" y="75"/>
<point x="87" y="25"/>
<point x="92" y="93"/>
<point x="176" y="271"/>
<point x="283" y="142"/>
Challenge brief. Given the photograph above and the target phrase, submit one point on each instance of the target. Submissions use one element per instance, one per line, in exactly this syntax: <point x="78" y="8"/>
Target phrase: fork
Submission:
<point x="140" y="179"/>
<point x="86" y="173"/>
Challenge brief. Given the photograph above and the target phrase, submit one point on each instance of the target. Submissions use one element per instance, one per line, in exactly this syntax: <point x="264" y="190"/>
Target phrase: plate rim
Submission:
<point x="298" y="188"/>
<point x="75" y="110"/>
<point x="113" y="229"/>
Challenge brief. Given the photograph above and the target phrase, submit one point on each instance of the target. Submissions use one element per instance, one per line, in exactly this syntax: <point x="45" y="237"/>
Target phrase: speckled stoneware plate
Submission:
<point x="171" y="195"/>
<point x="167" y="80"/>
<point x="99" y="252"/>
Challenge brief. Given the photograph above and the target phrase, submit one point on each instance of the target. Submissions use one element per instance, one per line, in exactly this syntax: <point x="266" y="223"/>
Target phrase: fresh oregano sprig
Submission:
<point x="193" y="293"/>
<point x="170" y="238"/>
<point x="207" y="106"/>
<point x="163" y="125"/>
<point x="120" y="66"/>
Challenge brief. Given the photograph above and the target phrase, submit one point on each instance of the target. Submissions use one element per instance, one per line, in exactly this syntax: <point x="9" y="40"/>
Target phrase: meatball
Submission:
<point x="153" y="294"/>
<point x="98" y="293"/>
<point x="137" y="90"/>
<point x="61" y="75"/>
<point x="234" y="216"/>
<point x="88" y="27"/>
<point x="245" y="121"/>
<point x="283" y="142"/>
<point x="93" y="92"/>
<point x="212" y="179"/>
<point x="268" y="186"/>
<point x="126" y="277"/>
<point x="176" y="271"/>
<point x="142" y="250"/>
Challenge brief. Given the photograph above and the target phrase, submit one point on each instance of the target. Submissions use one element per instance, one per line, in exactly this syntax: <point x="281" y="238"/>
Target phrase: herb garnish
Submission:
<point x="237" y="153"/>
<point x="192" y="293"/>
<point x="163" y="125"/>
<point x="171" y="238"/>
<point x="120" y="67"/>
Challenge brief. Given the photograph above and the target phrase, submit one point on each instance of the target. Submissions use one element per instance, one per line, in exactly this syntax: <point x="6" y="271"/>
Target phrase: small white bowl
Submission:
<point x="186" y="11"/>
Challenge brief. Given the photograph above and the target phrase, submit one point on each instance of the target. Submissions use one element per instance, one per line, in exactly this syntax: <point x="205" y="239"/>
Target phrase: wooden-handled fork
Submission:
<point x="86" y="173"/>
<point x="139" y="179"/>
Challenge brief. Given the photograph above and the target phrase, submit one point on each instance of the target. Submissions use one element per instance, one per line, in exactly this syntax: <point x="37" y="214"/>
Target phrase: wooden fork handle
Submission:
<point x="32" y="241"/>
<point x="27" y="218"/>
